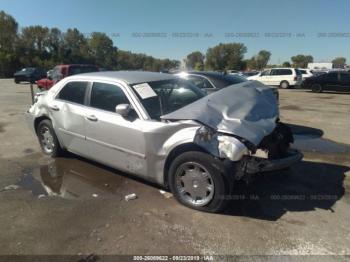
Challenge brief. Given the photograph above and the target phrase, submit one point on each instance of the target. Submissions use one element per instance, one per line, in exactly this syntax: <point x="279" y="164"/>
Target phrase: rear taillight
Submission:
<point x="295" y="78"/>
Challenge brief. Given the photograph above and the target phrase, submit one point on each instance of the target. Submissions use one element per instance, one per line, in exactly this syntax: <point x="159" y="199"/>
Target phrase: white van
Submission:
<point x="305" y="73"/>
<point x="282" y="77"/>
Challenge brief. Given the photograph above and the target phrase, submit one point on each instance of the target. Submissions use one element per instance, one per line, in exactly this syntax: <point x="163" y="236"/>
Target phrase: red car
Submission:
<point x="62" y="71"/>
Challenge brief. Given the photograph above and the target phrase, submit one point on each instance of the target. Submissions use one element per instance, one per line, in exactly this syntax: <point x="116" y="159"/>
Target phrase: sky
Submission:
<point x="173" y="29"/>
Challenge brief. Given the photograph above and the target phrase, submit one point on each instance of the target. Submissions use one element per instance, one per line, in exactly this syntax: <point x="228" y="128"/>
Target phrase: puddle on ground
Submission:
<point x="319" y="145"/>
<point x="72" y="178"/>
<point x="2" y="129"/>
<point x="309" y="139"/>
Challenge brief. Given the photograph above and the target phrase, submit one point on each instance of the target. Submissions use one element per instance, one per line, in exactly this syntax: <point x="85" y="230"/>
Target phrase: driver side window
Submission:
<point x="265" y="73"/>
<point x="107" y="96"/>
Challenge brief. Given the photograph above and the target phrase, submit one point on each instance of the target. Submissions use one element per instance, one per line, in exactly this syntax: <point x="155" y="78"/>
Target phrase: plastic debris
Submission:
<point x="166" y="194"/>
<point x="94" y="195"/>
<point x="11" y="187"/>
<point x="41" y="196"/>
<point x="130" y="197"/>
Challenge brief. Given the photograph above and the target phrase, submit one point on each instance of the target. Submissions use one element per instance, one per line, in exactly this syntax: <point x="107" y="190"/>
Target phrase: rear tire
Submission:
<point x="316" y="88"/>
<point x="199" y="181"/>
<point x="17" y="81"/>
<point x="284" y="85"/>
<point x="48" y="139"/>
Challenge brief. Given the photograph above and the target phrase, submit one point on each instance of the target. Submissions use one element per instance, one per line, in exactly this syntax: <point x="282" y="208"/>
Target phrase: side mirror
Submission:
<point x="123" y="109"/>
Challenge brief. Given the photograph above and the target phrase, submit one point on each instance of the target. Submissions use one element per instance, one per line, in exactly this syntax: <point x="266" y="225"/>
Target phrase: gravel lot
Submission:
<point x="304" y="210"/>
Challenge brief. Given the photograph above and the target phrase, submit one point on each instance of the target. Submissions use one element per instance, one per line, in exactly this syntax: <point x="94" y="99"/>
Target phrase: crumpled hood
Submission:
<point x="248" y="110"/>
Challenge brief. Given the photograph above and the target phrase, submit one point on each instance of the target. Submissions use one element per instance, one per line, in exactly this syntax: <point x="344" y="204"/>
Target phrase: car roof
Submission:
<point x="130" y="77"/>
<point x="279" y="68"/>
<point x="207" y="73"/>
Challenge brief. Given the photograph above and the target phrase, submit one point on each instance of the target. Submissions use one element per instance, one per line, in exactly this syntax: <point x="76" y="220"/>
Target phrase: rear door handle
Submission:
<point x="55" y="108"/>
<point x="92" y="118"/>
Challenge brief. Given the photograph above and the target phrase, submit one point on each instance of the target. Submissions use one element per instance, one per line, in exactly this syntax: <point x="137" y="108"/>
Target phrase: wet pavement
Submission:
<point x="71" y="205"/>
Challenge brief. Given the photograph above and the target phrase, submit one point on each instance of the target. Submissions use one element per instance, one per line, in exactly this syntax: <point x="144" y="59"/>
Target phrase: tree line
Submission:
<point x="231" y="57"/>
<point x="45" y="47"/>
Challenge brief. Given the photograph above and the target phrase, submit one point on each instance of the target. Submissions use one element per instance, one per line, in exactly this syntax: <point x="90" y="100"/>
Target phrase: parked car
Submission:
<point x="164" y="129"/>
<point x="250" y="73"/>
<point x="332" y="81"/>
<point x="211" y="81"/>
<point x="282" y="77"/>
<point x="305" y="73"/>
<point x="214" y="81"/>
<point x="62" y="71"/>
<point x="29" y="74"/>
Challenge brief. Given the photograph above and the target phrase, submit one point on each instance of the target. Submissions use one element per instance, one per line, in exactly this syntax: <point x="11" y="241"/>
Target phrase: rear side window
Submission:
<point x="200" y="82"/>
<point x="107" y="96"/>
<point x="73" y="92"/>
<point x="265" y="73"/>
<point x="332" y="76"/>
<point x="281" y="72"/>
<point x="345" y="77"/>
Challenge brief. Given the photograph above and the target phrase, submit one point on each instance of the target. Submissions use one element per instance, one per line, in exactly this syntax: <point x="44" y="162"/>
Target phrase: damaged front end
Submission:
<point x="240" y="124"/>
<point x="273" y="152"/>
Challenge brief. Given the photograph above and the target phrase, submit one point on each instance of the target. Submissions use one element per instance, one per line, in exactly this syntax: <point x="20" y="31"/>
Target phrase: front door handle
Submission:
<point x="55" y="108"/>
<point x="92" y="118"/>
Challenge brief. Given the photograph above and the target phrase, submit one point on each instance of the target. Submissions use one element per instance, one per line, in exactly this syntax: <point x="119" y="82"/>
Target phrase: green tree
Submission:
<point x="301" y="61"/>
<point x="75" y="47"/>
<point x="286" y="64"/>
<point x="199" y="66"/>
<point x="195" y="59"/>
<point x="339" y="62"/>
<point x="225" y="56"/>
<point x="8" y="38"/>
<point x="262" y="58"/>
<point x="102" y="51"/>
<point x="33" y="46"/>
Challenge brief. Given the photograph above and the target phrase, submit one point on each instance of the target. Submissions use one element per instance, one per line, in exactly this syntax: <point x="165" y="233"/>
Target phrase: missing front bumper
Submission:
<point x="253" y="164"/>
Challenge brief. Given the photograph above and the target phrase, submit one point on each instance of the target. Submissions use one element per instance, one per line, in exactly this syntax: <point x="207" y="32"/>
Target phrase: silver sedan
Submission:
<point x="166" y="130"/>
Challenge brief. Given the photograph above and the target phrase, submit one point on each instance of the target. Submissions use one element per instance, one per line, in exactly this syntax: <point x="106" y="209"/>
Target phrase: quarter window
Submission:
<point x="73" y="92"/>
<point x="200" y="82"/>
<point x="107" y="96"/>
<point x="265" y="73"/>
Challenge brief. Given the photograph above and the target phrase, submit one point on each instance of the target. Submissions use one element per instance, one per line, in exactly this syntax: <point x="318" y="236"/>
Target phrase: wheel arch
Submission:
<point x="175" y="152"/>
<point x="38" y="120"/>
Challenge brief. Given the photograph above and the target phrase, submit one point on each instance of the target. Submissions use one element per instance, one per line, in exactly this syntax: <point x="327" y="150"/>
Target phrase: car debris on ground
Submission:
<point x="166" y="194"/>
<point x="130" y="197"/>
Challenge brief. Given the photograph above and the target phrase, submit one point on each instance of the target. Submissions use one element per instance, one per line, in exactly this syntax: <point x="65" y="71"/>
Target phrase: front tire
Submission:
<point x="284" y="85"/>
<point x="199" y="181"/>
<point x="316" y="88"/>
<point x="48" y="139"/>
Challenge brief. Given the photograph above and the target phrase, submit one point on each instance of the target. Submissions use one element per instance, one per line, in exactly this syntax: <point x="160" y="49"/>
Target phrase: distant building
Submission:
<point x="320" y="66"/>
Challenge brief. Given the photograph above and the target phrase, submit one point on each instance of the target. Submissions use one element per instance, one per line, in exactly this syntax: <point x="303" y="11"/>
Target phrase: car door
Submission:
<point x="113" y="139"/>
<point x="265" y="77"/>
<point x="67" y="112"/>
<point x="345" y="81"/>
<point x="332" y="81"/>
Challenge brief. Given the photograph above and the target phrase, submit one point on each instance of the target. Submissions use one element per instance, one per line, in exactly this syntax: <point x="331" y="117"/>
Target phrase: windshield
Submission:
<point x="164" y="97"/>
<point x="28" y="69"/>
